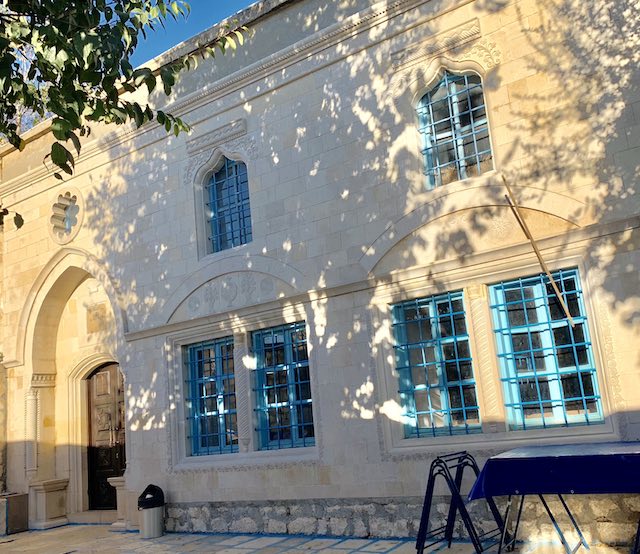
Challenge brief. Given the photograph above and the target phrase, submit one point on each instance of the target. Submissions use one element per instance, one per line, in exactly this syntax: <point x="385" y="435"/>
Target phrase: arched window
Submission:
<point x="454" y="129"/>
<point x="228" y="217"/>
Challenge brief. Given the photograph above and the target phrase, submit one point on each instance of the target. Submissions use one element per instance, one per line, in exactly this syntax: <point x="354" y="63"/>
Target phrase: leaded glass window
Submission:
<point x="283" y="387"/>
<point x="433" y="360"/>
<point x="211" y="397"/>
<point x="547" y="368"/>
<point x="455" y="132"/>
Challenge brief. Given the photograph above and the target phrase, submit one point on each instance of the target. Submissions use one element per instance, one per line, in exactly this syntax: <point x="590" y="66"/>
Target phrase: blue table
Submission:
<point x="596" y="468"/>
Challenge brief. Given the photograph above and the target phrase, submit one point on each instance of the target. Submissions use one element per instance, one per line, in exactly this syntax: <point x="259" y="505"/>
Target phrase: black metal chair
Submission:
<point x="445" y="466"/>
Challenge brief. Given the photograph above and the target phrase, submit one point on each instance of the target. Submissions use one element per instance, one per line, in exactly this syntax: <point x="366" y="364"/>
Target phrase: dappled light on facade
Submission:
<point x="322" y="286"/>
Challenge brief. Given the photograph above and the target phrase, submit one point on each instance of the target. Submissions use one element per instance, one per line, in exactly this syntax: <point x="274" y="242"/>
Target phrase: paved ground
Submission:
<point x="83" y="539"/>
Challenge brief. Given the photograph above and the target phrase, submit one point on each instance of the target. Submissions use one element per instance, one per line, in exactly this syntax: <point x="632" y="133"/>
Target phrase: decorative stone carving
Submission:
<point x="243" y="147"/>
<point x="447" y="40"/>
<point x="493" y="411"/>
<point x="42" y="380"/>
<point x="485" y="52"/>
<point x="218" y="136"/>
<point x="618" y="403"/>
<point x="231" y="291"/>
<point x="417" y="67"/>
<point x="66" y="216"/>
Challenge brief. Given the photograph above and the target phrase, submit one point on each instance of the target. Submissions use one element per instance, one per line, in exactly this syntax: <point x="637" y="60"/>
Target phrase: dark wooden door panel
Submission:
<point x="106" y="443"/>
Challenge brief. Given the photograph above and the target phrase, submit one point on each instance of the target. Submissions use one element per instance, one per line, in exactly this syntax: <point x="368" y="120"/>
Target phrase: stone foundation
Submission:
<point x="606" y="519"/>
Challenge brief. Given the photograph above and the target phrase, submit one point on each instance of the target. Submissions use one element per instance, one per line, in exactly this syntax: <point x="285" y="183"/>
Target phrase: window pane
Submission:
<point x="547" y="367"/>
<point x="227" y="208"/>
<point x="439" y="356"/>
<point x="211" y="402"/>
<point x="454" y="130"/>
<point x="283" y="387"/>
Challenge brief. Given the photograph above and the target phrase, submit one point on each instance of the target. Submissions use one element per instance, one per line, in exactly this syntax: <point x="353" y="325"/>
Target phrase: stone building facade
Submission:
<point x="323" y="286"/>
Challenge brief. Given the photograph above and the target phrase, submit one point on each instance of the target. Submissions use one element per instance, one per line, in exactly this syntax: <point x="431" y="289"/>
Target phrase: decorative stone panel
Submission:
<point x="67" y="213"/>
<point x="231" y="291"/>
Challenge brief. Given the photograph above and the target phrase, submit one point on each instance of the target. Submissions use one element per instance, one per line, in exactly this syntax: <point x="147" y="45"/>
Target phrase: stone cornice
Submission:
<point x="43" y="380"/>
<point x="302" y="50"/>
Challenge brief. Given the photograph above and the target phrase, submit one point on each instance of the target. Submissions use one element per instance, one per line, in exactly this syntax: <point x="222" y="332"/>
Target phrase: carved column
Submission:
<point x="484" y="358"/>
<point x="243" y="391"/>
<point x="32" y="433"/>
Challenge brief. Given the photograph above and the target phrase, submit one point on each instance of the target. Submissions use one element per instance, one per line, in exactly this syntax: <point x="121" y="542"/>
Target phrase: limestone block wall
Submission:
<point x="321" y="109"/>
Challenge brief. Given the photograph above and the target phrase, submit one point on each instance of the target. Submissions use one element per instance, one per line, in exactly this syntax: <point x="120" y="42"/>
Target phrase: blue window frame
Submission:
<point x="433" y="359"/>
<point x="227" y="204"/>
<point x="455" y="133"/>
<point x="283" y="387"/>
<point x="547" y="367"/>
<point x="211" y="398"/>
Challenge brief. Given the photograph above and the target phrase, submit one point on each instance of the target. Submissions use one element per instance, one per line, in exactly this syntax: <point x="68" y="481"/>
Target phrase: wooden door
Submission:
<point x="106" y="435"/>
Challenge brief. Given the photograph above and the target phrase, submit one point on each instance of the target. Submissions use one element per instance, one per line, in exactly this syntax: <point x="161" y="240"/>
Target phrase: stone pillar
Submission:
<point x="118" y="483"/>
<point x="243" y="391"/>
<point x="31" y="433"/>
<point x="487" y="378"/>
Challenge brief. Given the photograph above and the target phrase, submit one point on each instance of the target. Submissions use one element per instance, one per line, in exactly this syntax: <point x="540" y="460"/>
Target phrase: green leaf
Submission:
<point x="60" y="128"/>
<point x="76" y="141"/>
<point x="58" y="154"/>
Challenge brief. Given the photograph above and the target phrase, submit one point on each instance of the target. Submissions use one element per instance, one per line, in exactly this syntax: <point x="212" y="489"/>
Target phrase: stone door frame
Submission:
<point x="78" y="494"/>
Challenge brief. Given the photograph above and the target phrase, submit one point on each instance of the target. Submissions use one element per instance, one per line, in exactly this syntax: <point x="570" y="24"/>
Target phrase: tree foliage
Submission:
<point x="70" y="60"/>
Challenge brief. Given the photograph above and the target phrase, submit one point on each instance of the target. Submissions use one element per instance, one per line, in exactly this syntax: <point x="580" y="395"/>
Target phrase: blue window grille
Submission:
<point x="211" y="398"/>
<point x="455" y="134"/>
<point x="433" y="359"/>
<point x="547" y="367"/>
<point x="283" y="387"/>
<point x="228" y="213"/>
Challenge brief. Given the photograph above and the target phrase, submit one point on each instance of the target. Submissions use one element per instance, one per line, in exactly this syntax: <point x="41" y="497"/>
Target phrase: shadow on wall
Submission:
<point x="573" y="115"/>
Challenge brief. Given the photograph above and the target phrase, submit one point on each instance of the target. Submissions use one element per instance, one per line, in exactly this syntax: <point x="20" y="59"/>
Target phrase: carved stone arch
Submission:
<point x="206" y="155"/>
<point x="413" y="80"/>
<point x="459" y="198"/>
<point x="60" y="276"/>
<point x="266" y="268"/>
<point x="418" y="69"/>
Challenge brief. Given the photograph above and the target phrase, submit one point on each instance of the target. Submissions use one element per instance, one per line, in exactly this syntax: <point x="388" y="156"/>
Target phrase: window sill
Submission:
<point x="249" y="460"/>
<point x="500" y="441"/>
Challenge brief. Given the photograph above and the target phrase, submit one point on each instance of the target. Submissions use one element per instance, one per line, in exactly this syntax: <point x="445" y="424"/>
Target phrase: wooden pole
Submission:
<point x="525" y="228"/>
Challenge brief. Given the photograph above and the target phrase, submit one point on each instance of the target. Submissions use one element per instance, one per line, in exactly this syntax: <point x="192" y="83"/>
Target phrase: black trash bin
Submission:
<point x="151" y="503"/>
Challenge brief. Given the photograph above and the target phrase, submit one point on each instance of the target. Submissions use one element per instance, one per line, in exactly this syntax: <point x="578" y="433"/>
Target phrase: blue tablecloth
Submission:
<point x="596" y="468"/>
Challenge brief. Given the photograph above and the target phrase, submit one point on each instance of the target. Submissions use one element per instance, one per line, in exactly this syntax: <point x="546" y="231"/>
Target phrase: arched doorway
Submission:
<point x="70" y="326"/>
<point x="106" y="448"/>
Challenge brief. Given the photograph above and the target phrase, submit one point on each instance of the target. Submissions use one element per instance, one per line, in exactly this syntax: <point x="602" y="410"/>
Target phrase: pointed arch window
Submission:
<point x="455" y="133"/>
<point x="228" y="215"/>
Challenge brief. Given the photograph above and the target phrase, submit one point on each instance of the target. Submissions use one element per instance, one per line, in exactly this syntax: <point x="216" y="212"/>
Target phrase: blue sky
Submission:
<point x="204" y="14"/>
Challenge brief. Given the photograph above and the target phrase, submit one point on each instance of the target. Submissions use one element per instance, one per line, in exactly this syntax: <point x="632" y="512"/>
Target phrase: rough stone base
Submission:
<point x="603" y="519"/>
